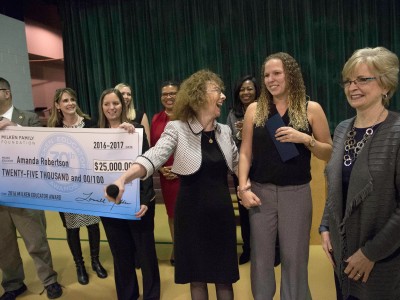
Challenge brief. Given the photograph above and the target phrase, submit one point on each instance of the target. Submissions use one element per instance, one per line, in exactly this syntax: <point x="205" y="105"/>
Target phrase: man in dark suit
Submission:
<point x="30" y="223"/>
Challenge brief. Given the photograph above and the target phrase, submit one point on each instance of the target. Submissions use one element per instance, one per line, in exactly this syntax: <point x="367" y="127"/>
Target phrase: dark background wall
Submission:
<point x="145" y="42"/>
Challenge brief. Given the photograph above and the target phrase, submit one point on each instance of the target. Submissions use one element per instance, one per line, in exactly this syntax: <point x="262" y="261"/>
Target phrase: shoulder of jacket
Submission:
<point x="224" y="127"/>
<point x="21" y="112"/>
<point x="393" y="118"/>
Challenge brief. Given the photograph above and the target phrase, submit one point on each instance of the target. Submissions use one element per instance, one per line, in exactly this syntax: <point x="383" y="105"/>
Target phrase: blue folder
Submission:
<point x="286" y="150"/>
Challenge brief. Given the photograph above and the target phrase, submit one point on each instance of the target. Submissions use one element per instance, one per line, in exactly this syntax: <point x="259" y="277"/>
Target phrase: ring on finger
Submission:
<point x="358" y="274"/>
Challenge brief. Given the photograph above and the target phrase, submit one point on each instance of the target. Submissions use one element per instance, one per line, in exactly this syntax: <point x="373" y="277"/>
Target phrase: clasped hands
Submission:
<point x="247" y="198"/>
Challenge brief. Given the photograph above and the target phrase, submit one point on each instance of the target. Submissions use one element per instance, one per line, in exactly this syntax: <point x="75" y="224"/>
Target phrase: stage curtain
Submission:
<point x="145" y="42"/>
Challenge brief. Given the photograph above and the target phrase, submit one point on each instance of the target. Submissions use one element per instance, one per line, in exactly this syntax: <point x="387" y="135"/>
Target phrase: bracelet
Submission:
<point x="239" y="135"/>
<point x="243" y="190"/>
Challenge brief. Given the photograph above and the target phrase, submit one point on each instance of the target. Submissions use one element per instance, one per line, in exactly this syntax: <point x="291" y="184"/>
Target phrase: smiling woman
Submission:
<point x="246" y="91"/>
<point x="362" y="176"/>
<point x="169" y="181"/>
<point x="279" y="195"/>
<point x="132" y="113"/>
<point x="131" y="239"/>
<point x="66" y="113"/>
<point x="205" y="231"/>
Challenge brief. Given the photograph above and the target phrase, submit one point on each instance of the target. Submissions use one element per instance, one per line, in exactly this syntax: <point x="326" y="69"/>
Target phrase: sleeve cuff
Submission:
<point x="147" y="164"/>
<point x="323" y="228"/>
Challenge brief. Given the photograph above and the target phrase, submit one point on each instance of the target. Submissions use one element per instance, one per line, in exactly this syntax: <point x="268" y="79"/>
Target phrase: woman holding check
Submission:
<point x="129" y="238"/>
<point x="66" y="113"/>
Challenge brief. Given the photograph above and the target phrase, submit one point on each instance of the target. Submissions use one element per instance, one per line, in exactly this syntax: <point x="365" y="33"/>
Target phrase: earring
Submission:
<point x="59" y="110"/>
<point x="384" y="96"/>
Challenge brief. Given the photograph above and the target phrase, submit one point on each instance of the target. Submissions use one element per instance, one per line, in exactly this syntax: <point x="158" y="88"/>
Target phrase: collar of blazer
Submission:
<point x="197" y="128"/>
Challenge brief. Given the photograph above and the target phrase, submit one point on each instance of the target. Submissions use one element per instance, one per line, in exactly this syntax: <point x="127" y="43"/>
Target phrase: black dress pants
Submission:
<point x="128" y="238"/>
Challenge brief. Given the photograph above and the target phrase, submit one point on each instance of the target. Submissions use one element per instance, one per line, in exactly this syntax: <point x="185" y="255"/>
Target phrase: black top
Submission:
<point x="267" y="166"/>
<point x="88" y="123"/>
<point x="147" y="192"/>
<point x="205" y="229"/>
<point x="139" y="117"/>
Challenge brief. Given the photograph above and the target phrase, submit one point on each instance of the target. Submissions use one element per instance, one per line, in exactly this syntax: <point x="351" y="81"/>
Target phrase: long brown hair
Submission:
<point x="103" y="122"/>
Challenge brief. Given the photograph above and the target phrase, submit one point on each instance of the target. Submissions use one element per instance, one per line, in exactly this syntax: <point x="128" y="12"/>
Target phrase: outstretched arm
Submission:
<point x="134" y="172"/>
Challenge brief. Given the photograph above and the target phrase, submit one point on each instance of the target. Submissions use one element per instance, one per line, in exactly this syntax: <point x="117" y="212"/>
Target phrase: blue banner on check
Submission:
<point x="286" y="150"/>
<point x="66" y="170"/>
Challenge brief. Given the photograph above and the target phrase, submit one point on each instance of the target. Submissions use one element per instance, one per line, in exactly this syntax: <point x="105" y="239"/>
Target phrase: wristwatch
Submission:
<point x="239" y="135"/>
<point x="312" y="142"/>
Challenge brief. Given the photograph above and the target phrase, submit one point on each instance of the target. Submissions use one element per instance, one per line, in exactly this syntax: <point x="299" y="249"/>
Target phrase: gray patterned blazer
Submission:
<point x="184" y="140"/>
<point x="370" y="216"/>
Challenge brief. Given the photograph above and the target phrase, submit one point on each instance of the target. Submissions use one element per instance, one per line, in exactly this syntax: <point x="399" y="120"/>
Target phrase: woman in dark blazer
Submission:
<point x="360" y="228"/>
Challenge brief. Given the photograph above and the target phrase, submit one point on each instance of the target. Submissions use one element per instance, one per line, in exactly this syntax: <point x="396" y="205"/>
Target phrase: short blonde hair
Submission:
<point x="192" y="94"/>
<point x="382" y="62"/>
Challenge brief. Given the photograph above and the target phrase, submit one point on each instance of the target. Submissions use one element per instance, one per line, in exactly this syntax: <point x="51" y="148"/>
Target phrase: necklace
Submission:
<point x="69" y="124"/>
<point x="78" y="123"/>
<point x="210" y="139"/>
<point x="351" y="148"/>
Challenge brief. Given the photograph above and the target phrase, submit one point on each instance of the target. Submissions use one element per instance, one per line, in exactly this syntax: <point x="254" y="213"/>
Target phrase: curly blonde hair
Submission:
<point x="297" y="94"/>
<point x="191" y="96"/>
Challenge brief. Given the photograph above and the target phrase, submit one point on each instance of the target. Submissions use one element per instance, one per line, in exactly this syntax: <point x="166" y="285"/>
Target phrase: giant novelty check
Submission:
<point x="66" y="170"/>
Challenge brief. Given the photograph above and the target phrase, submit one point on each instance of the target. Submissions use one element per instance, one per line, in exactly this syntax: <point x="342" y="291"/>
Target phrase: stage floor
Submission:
<point x="320" y="272"/>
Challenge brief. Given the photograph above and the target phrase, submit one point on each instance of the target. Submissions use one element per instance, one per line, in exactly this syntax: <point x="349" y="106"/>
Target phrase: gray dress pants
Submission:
<point x="286" y="210"/>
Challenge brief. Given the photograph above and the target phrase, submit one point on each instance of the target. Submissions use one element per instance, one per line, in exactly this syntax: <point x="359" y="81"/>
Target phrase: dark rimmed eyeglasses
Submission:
<point x="358" y="81"/>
